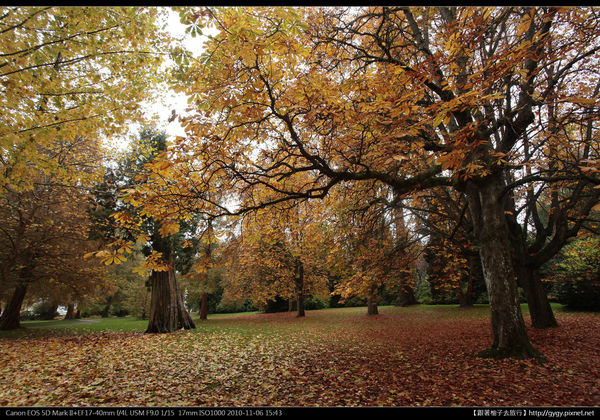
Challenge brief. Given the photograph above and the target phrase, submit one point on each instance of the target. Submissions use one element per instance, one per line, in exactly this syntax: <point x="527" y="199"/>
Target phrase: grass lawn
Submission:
<point x="416" y="356"/>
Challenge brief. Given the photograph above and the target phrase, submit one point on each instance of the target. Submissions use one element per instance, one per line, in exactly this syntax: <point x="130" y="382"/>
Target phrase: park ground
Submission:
<point x="416" y="356"/>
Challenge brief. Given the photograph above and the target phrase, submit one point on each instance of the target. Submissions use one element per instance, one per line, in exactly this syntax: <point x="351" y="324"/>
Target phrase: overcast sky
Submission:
<point x="177" y="102"/>
<point x="160" y="111"/>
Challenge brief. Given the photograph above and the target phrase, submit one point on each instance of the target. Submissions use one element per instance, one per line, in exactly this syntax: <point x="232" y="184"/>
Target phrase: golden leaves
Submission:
<point x="114" y="257"/>
<point x="525" y="23"/>
<point x="168" y="228"/>
<point x="114" y="253"/>
<point x="65" y="76"/>
<point x="155" y="262"/>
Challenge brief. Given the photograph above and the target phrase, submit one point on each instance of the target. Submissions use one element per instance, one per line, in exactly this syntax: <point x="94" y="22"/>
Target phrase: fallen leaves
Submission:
<point x="405" y="357"/>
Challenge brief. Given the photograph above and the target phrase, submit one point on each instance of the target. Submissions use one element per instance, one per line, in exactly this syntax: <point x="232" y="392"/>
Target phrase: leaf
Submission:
<point x="168" y="228"/>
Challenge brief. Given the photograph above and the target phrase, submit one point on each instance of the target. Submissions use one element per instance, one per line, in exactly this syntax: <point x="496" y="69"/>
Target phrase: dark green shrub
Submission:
<point x="577" y="275"/>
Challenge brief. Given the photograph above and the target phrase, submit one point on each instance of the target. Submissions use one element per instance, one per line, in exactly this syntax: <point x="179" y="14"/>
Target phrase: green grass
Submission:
<point x="231" y="321"/>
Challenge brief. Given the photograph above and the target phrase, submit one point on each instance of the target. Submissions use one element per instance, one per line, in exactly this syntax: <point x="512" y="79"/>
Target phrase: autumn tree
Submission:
<point x="442" y="215"/>
<point x="202" y="276"/>
<point x="554" y="197"/>
<point x="44" y="238"/>
<point x="71" y="71"/>
<point x="69" y="76"/>
<point x="45" y="227"/>
<point x="159" y="237"/>
<point x="279" y="253"/>
<point x="372" y="247"/>
<point x="412" y="98"/>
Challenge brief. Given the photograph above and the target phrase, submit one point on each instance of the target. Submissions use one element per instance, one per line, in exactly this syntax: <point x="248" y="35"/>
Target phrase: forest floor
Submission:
<point x="416" y="356"/>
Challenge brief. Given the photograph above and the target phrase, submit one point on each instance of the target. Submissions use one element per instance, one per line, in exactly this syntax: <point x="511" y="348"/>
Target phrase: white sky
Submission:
<point x="159" y="112"/>
<point x="177" y="102"/>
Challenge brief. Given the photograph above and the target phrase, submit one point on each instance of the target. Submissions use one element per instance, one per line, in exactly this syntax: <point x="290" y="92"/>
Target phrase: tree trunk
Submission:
<point x="70" y="311"/>
<point x="204" y="306"/>
<point x="462" y="297"/>
<point x="508" y="327"/>
<point x="11" y="317"/>
<point x="50" y="312"/>
<point x="167" y="311"/>
<point x="292" y="305"/>
<point x="406" y="296"/>
<point x="465" y="297"/>
<point x="300" y="289"/>
<point x="372" y="304"/>
<point x="106" y="310"/>
<point x="540" y="310"/>
<point x="78" y="313"/>
<point x="528" y="277"/>
<point x="145" y="307"/>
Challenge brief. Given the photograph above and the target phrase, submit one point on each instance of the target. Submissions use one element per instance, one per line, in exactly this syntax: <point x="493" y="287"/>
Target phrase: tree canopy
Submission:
<point x="334" y="142"/>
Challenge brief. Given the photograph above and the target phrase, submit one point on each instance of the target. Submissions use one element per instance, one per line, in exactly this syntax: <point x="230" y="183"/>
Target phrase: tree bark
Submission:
<point x="407" y="296"/>
<point x="70" y="311"/>
<point x="508" y="327"/>
<point x="204" y="306"/>
<point x="167" y="311"/>
<point x="106" y="310"/>
<point x="299" y="280"/>
<point x="50" y="312"/>
<point x="372" y="305"/>
<point x="11" y="317"/>
<point x="528" y="275"/>
<point x="540" y="310"/>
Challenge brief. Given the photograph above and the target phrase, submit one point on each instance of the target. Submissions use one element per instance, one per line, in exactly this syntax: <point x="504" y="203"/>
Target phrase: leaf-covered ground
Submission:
<point x="404" y="357"/>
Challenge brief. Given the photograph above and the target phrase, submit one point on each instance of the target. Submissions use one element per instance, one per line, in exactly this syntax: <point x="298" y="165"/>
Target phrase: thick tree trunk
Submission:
<point x="508" y="327"/>
<point x="528" y="277"/>
<point x="50" y="312"/>
<point x="11" y="317"/>
<point x="540" y="310"/>
<point x="204" y="306"/>
<point x="407" y="296"/>
<point x="70" y="311"/>
<point x="167" y="311"/>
